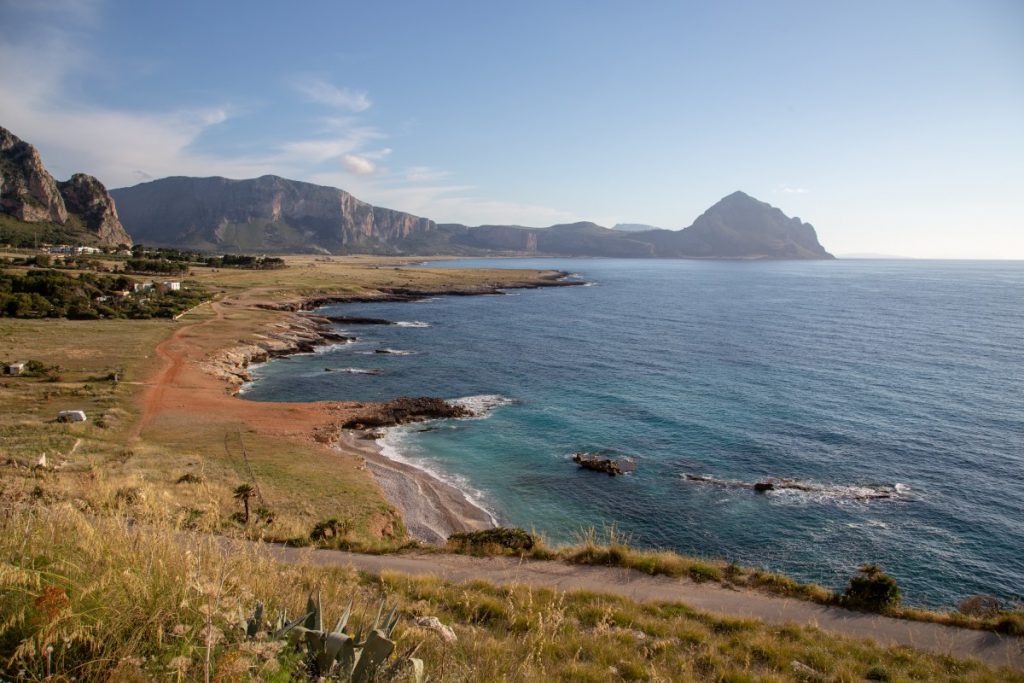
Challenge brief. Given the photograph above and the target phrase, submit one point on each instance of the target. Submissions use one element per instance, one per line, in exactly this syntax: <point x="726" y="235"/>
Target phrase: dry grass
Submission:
<point x="610" y="548"/>
<point x="300" y="480"/>
<point x="123" y="603"/>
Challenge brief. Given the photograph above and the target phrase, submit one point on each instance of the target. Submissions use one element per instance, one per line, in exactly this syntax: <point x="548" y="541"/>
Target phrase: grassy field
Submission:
<point x="126" y="603"/>
<point x="105" y="367"/>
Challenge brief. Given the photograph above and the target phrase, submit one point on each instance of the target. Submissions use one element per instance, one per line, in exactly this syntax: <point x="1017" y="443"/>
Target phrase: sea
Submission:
<point x="884" y="399"/>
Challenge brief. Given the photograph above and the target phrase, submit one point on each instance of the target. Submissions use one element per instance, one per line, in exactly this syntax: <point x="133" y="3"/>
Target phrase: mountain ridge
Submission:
<point x="275" y="214"/>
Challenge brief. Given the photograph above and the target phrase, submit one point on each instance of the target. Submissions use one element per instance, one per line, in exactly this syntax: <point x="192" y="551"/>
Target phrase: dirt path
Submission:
<point x="173" y="354"/>
<point x="991" y="648"/>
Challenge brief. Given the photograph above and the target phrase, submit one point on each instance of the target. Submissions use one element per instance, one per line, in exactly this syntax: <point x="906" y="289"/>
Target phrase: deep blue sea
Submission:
<point x="853" y="378"/>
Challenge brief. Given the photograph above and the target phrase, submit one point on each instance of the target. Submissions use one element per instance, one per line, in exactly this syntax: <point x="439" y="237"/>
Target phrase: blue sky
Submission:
<point x="893" y="127"/>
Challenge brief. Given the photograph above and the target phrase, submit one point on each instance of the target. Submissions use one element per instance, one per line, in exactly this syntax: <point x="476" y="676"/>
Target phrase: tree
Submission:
<point x="243" y="493"/>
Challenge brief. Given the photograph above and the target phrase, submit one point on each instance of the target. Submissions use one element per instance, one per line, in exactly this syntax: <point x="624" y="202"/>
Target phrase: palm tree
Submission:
<point x="243" y="493"/>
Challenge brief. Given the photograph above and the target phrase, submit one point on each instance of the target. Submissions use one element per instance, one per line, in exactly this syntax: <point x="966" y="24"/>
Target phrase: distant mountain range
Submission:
<point x="78" y="210"/>
<point x="273" y="214"/>
<point x="634" y="227"/>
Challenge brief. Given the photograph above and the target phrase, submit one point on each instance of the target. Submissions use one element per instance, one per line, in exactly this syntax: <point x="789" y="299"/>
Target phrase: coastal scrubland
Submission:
<point x="163" y="430"/>
<point x="167" y="445"/>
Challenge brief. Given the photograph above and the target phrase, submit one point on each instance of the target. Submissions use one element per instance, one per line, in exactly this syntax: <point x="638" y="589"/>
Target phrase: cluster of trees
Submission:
<point x="55" y="294"/>
<point x="238" y="261"/>
<point x="161" y="266"/>
<point x="171" y="261"/>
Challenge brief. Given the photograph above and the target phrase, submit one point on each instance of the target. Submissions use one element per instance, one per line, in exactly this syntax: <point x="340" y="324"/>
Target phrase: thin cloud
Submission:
<point x="321" y="92"/>
<point x="124" y="147"/>
<point x="425" y="174"/>
<point x="358" y="165"/>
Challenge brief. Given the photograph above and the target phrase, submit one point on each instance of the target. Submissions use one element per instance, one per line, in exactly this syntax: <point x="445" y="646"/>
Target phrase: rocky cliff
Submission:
<point x="268" y="214"/>
<point x="30" y="194"/>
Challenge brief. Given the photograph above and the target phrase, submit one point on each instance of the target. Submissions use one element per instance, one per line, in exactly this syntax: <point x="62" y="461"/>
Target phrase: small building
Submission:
<point x="171" y="286"/>
<point x="15" y="368"/>
<point x="143" y="286"/>
<point x="71" y="416"/>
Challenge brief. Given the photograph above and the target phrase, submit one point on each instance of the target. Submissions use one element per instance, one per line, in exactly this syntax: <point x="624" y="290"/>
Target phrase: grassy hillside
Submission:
<point x="117" y="602"/>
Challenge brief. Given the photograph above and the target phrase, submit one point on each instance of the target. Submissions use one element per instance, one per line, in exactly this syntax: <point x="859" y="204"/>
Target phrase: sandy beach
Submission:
<point x="431" y="508"/>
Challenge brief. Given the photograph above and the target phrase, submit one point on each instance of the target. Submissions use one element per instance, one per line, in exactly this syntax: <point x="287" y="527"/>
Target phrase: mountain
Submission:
<point x="634" y="227"/>
<point x="272" y="214"/>
<point x="737" y="227"/>
<point x="266" y="214"/>
<point x="77" y="210"/>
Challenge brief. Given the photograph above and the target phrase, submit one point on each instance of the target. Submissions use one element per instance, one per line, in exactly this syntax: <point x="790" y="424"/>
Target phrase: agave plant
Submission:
<point x="362" y="656"/>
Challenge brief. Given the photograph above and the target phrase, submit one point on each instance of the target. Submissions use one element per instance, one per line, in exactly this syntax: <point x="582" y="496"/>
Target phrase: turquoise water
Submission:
<point x="854" y="378"/>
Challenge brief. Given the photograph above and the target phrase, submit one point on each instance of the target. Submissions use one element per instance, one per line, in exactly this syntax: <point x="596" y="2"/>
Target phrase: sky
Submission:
<point x="893" y="127"/>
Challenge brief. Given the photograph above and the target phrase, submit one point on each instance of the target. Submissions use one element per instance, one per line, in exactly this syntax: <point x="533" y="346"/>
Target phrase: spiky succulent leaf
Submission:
<point x="376" y="651"/>
<point x="343" y="622"/>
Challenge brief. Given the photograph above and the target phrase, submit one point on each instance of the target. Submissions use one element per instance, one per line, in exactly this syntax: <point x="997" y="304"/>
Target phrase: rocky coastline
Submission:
<point x="431" y="508"/>
<point x="304" y="331"/>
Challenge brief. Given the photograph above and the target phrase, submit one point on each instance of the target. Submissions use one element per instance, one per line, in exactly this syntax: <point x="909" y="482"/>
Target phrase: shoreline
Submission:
<point x="430" y="508"/>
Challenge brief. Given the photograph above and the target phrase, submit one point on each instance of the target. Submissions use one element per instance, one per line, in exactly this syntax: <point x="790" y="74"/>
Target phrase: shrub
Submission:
<point x="189" y="478"/>
<point x="871" y="590"/>
<point x="1011" y="625"/>
<point x="983" y="606"/>
<point x="510" y="538"/>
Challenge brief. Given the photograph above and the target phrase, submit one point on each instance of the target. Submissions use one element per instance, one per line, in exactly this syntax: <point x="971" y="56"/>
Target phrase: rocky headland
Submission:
<point x="31" y="195"/>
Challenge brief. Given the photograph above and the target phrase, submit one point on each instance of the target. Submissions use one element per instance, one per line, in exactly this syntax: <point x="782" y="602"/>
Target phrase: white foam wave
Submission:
<point x="810" y="491"/>
<point x="390" y="352"/>
<point x="483" y="405"/>
<point x="357" y="371"/>
<point x="394" y="445"/>
<point x="412" y="323"/>
<point x="327" y="348"/>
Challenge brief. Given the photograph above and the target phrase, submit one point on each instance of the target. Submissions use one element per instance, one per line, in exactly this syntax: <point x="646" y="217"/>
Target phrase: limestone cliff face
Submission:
<point x="265" y="214"/>
<point x="85" y="196"/>
<point x="29" y="193"/>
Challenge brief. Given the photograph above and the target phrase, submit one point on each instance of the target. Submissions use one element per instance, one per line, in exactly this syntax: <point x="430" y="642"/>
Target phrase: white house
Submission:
<point x="171" y="286"/>
<point x="15" y="368"/>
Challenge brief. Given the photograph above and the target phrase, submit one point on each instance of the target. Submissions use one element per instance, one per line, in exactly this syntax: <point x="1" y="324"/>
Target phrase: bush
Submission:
<point x="1011" y="625"/>
<point x="509" y="538"/>
<point x="983" y="606"/>
<point x="871" y="590"/>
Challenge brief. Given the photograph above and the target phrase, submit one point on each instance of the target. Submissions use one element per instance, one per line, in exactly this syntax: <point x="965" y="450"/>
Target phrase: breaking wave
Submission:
<point x="357" y="371"/>
<point x="781" y="488"/>
<point x="412" y="323"/>
<point x="483" y="405"/>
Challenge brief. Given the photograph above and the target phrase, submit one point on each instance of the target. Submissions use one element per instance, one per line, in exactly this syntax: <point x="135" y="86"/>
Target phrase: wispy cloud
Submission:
<point x="354" y="163"/>
<point x="323" y="92"/>
<point x="425" y="174"/>
<point x="124" y="146"/>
